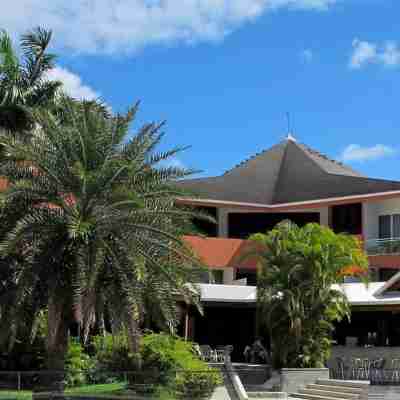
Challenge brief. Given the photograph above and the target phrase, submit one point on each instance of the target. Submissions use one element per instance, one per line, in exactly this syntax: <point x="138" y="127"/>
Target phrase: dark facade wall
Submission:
<point x="347" y="218"/>
<point x="242" y="225"/>
<point x="226" y="325"/>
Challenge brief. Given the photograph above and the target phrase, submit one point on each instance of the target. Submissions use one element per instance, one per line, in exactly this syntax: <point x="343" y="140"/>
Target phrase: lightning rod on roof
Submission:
<point x="289" y="135"/>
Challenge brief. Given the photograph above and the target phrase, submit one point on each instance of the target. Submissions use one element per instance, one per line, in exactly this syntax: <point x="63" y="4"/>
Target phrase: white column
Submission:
<point x="324" y="216"/>
<point x="229" y="276"/>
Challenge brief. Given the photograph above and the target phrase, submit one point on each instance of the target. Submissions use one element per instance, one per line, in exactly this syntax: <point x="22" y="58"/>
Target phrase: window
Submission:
<point x="389" y="226"/>
<point x="385" y="226"/>
<point x="218" y="276"/>
<point x="214" y="276"/>
<point x="385" y="274"/>
<point x="396" y="226"/>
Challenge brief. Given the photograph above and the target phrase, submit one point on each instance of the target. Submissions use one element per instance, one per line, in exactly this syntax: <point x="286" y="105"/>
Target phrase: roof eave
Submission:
<point x="288" y="206"/>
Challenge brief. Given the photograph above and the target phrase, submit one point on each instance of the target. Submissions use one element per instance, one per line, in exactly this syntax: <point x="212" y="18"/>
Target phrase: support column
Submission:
<point x="186" y="334"/>
<point x="324" y="216"/>
<point x="222" y="219"/>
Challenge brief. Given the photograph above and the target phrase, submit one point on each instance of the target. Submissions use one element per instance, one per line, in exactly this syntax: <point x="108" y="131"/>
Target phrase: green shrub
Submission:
<point x="112" y="353"/>
<point x="197" y="384"/>
<point x="77" y="364"/>
<point x="178" y="367"/>
<point x="170" y="367"/>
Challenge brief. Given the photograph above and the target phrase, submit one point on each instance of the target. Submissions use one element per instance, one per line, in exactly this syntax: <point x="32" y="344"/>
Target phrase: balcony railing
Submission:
<point x="383" y="246"/>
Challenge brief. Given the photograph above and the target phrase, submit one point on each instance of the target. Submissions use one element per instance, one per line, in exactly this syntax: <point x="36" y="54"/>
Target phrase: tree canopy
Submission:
<point x="23" y="82"/>
<point x="90" y="216"/>
<point x="298" y="303"/>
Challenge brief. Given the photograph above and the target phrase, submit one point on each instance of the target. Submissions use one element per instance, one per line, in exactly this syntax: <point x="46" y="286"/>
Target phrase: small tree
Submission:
<point x="298" y="303"/>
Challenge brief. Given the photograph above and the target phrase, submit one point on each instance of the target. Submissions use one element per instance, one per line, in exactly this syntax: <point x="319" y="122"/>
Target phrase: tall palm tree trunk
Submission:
<point x="52" y="379"/>
<point x="134" y="337"/>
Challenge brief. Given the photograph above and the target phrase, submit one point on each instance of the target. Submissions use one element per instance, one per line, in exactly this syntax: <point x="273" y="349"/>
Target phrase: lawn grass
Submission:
<point x="113" y="389"/>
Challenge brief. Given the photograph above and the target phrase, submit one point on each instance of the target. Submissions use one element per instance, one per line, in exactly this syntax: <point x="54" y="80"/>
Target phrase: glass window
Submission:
<point x="215" y="276"/>
<point x="218" y="276"/>
<point x="384" y="226"/>
<point x="396" y="226"/>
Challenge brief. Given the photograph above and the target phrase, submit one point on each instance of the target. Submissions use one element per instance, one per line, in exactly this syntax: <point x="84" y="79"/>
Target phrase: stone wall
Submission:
<point x="347" y="352"/>
<point x="293" y="379"/>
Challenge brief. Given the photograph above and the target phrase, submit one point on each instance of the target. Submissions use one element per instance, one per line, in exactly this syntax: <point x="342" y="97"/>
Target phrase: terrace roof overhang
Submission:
<point x="257" y="207"/>
<point x="358" y="294"/>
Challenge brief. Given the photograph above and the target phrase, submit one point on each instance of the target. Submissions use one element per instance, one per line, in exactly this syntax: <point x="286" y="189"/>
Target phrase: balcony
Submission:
<point x="387" y="246"/>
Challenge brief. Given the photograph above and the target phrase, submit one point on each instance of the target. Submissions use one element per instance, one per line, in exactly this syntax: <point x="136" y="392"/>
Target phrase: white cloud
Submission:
<point x="371" y="53"/>
<point x="123" y="26"/>
<point x="355" y="152"/>
<point x="391" y="54"/>
<point x="307" y="55"/>
<point x="363" y="53"/>
<point x="72" y="84"/>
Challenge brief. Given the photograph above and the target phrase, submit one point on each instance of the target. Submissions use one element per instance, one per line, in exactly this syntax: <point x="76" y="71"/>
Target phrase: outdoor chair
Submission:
<point x="341" y="368"/>
<point x="396" y="370"/>
<point x="366" y="368"/>
<point x="360" y="368"/>
<point x="207" y="353"/>
<point x="377" y="374"/>
<point x="220" y="353"/>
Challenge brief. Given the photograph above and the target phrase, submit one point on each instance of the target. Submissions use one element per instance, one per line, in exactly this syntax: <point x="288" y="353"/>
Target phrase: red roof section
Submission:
<point x="222" y="252"/>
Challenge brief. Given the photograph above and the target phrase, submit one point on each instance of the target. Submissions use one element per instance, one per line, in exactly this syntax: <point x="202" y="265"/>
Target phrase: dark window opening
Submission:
<point x="242" y="225"/>
<point x="215" y="276"/>
<point x="386" y="273"/>
<point x="389" y="226"/>
<point x="385" y="226"/>
<point x="347" y="218"/>
<point x="249" y="275"/>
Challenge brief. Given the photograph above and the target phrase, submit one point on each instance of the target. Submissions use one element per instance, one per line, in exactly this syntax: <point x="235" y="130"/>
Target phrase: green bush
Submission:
<point x="169" y="366"/>
<point x="77" y="364"/>
<point x="178" y="367"/>
<point x="111" y="353"/>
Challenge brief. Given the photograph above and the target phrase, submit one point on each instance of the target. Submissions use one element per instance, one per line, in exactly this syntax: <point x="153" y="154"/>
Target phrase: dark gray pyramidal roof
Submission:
<point x="287" y="172"/>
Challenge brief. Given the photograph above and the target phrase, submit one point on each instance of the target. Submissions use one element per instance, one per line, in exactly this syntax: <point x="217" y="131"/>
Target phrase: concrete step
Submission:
<point x="267" y="395"/>
<point x="336" y="382"/>
<point x="330" y="393"/>
<point x="252" y="374"/>
<point x="343" y="389"/>
<point x="308" y="396"/>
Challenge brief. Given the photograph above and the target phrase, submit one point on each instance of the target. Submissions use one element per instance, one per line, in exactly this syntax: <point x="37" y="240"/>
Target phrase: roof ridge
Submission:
<point x="252" y="157"/>
<point x="246" y="160"/>
<point x="322" y="155"/>
<point x="325" y="157"/>
<point x="278" y="179"/>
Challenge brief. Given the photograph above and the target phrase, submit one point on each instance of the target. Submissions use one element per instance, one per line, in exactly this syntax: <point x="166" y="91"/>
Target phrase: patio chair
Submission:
<point x="376" y="371"/>
<point x="220" y="353"/>
<point x="340" y="368"/>
<point x="366" y="368"/>
<point x="207" y="353"/>
<point x="396" y="370"/>
<point x="359" y="369"/>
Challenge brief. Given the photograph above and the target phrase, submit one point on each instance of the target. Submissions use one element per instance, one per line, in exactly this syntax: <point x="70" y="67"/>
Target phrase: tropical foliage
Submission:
<point x="90" y="218"/>
<point x="298" y="303"/>
<point x="24" y="86"/>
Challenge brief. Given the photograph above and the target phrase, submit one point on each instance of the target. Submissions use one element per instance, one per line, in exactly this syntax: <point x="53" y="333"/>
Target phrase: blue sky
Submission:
<point x="223" y="73"/>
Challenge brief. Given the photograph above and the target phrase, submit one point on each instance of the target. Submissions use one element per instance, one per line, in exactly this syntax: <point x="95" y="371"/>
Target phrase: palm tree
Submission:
<point x="96" y="220"/>
<point x="23" y="83"/>
<point x="297" y="304"/>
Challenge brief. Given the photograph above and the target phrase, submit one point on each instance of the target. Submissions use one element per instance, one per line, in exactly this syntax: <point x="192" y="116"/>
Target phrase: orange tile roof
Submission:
<point x="221" y="252"/>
